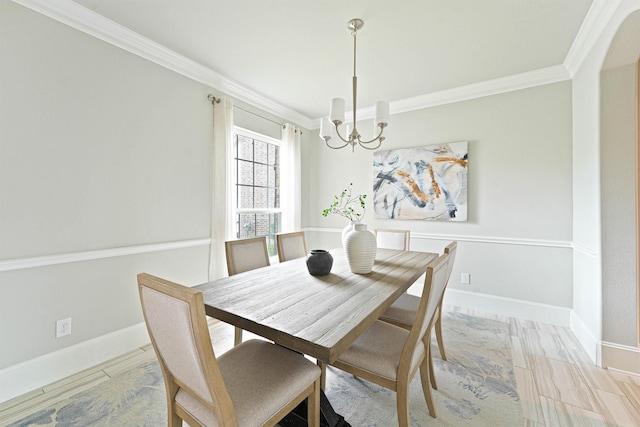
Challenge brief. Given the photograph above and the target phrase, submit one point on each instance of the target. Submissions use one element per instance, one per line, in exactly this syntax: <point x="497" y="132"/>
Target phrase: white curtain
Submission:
<point x="222" y="201"/>
<point x="290" y="178"/>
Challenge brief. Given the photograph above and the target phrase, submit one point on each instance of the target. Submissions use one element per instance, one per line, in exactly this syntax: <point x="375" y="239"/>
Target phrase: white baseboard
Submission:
<point x="620" y="357"/>
<point x="603" y="354"/>
<point x="586" y="338"/>
<point x="35" y="373"/>
<point x="32" y="374"/>
<point x="544" y="313"/>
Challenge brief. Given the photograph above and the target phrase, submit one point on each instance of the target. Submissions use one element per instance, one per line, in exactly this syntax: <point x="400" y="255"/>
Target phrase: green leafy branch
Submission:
<point x="347" y="205"/>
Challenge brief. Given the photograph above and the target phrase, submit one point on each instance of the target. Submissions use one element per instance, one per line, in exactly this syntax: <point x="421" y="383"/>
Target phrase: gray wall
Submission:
<point x="618" y="165"/>
<point x="516" y="242"/>
<point x="99" y="150"/>
<point x="102" y="150"/>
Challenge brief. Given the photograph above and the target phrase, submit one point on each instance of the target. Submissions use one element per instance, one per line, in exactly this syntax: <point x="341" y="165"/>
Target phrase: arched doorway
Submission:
<point x="620" y="186"/>
<point x="638" y="201"/>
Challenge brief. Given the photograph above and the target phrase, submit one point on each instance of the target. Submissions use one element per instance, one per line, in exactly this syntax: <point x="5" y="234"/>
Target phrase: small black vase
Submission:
<point x="319" y="262"/>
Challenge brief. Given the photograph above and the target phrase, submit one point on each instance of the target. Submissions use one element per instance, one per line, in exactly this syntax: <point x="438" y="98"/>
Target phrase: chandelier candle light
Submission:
<point x="336" y="116"/>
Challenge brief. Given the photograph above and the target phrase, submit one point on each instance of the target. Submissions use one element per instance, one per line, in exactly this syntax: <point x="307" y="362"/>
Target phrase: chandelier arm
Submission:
<point x="335" y="148"/>
<point x="371" y="148"/>
<point x="348" y="141"/>
<point x="374" y="139"/>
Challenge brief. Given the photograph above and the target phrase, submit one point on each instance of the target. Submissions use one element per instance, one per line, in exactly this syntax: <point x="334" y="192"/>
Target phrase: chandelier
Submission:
<point x="336" y="116"/>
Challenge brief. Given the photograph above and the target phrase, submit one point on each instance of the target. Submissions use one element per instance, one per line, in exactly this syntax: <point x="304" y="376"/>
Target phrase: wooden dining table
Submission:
<point x="320" y="316"/>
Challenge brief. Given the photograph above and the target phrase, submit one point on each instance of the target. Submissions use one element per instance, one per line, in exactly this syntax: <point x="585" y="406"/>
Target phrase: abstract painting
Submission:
<point x="422" y="183"/>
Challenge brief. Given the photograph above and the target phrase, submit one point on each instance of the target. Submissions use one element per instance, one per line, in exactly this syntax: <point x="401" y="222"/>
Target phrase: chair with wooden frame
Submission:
<point x="390" y="356"/>
<point x="291" y="245"/>
<point x="254" y="384"/>
<point x="244" y="255"/>
<point x="403" y="310"/>
<point x="392" y="239"/>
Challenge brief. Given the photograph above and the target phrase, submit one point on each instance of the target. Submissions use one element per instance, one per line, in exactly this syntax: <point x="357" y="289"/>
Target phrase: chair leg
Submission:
<point x="426" y="387"/>
<point x="432" y="371"/>
<point x="438" y="327"/>
<point x="429" y="357"/>
<point x="237" y="338"/>
<point x="171" y="388"/>
<point x="313" y="406"/>
<point x="402" y="404"/>
<point x="174" y="420"/>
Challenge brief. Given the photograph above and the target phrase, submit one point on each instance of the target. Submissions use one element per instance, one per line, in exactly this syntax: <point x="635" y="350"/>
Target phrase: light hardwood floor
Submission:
<point x="557" y="383"/>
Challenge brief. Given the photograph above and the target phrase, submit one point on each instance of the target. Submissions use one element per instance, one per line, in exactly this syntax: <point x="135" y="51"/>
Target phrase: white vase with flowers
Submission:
<point x="360" y="255"/>
<point x="348" y="206"/>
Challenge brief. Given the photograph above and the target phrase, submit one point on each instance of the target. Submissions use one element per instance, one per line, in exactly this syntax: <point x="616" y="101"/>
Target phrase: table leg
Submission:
<point x="328" y="417"/>
<point x="323" y="374"/>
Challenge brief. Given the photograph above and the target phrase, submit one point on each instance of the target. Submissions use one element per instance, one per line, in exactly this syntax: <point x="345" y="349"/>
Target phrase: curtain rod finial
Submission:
<point x="213" y="99"/>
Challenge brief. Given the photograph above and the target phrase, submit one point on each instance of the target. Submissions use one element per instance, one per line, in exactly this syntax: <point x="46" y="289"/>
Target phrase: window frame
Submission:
<point x="234" y="187"/>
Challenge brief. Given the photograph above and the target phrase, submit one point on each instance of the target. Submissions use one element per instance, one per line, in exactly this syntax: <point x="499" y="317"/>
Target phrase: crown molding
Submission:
<point x="511" y="83"/>
<point x="598" y="16"/>
<point x="540" y="77"/>
<point x="96" y="25"/>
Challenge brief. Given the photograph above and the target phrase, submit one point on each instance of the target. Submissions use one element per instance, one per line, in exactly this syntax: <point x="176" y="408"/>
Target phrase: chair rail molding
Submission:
<point x="469" y="238"/>
<point x="591" y="253"/>
<point x="34" y="262"/>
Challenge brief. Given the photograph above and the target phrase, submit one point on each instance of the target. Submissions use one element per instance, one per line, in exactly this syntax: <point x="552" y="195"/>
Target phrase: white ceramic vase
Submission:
<point x="346" y="231"/>
<point x="360" y="247"/>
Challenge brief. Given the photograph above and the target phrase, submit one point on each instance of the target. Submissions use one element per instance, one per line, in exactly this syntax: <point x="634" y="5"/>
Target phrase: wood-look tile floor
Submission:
<point x="558" y="385"/>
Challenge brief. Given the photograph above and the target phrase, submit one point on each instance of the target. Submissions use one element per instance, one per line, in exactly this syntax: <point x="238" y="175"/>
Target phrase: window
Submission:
<point x="257" y="186"/>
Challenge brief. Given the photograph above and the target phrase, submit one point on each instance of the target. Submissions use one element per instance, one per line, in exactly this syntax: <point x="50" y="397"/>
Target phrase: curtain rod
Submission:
<point x="262" y="117"/>
<point x="215" y="100"/>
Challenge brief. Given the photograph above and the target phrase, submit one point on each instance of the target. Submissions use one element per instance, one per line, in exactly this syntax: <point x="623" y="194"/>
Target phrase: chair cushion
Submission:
<point x="261" y="379"/>
<point x="377" y="351"/>
<point x="403" y="310"/>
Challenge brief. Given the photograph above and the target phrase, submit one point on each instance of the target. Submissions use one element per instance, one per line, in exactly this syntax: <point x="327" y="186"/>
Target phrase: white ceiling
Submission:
<point x="299" y="53"/>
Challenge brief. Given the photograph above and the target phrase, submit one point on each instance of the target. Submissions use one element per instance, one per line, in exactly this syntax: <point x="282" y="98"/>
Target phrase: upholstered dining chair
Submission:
<point x="403" y="310"/>
<point x="392" y="239"/>
<point x="291" y="245"/>
<point x="390" y="356"/>
<point x="244" y="255"/>
<point x="254" y="384"/>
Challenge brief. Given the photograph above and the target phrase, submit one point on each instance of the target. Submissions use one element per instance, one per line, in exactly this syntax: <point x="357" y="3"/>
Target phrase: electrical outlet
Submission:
<point x="466" y="278"/>
<point x="63" y="327"/>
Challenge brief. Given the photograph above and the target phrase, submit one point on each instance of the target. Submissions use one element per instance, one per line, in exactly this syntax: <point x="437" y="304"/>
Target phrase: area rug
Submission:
<point x="476" y="387"/>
